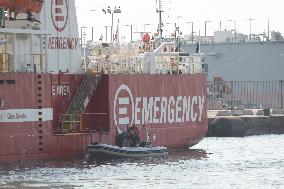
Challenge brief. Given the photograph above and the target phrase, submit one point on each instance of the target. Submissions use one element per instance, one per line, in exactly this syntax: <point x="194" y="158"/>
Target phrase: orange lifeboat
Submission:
<point x="22" y="5"/>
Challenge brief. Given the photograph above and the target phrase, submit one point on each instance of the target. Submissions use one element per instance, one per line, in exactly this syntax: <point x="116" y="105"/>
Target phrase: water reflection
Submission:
<point x="216" y="162"/>
<point x="47" y="174"/>
<point x="174" y="155"/>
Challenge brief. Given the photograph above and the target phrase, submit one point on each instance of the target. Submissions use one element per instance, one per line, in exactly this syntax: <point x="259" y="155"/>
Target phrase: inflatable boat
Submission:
<point x="110" y="151"/>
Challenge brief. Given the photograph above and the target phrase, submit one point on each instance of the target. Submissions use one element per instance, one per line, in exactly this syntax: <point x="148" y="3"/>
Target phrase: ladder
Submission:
<point x="84" y="93"/>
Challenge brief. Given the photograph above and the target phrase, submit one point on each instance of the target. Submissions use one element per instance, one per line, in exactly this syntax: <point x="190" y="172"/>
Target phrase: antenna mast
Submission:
<point x="159" y="11"/>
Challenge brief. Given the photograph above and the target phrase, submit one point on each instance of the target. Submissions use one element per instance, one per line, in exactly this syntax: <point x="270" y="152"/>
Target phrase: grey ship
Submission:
<point x="238" y="58"/>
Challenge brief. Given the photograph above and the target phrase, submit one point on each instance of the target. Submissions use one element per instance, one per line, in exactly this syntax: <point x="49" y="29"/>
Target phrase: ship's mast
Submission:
<point x="159" y="11"/>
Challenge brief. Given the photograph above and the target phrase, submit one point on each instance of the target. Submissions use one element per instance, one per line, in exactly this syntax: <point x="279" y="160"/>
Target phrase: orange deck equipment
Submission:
<point x="22" y="5"/>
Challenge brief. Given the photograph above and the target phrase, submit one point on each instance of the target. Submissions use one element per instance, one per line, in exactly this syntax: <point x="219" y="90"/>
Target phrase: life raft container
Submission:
<point x="22" y="5"/>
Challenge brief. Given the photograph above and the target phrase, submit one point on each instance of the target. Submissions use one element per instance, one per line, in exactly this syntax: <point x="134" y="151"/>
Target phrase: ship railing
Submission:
<point x="163" y="60"/>
<point x="81" y="123"/>
<point x="123" y="66"/>
<point x="163" y="63"/>
<point x="21" y="62"/>
<point x="70" y="123"/>
<point x="6" y="65"/>
<point x="173" y="63"/>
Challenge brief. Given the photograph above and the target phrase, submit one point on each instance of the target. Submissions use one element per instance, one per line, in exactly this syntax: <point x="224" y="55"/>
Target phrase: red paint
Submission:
<point x="59" y="21"/>
<point x="59" y="2"/>
<point x="22" y="5"/>
<point x="36" y="140"/>
<point x="63" y="42"/>
<point x="59" y="18"/>
<point x="58" y="10"/>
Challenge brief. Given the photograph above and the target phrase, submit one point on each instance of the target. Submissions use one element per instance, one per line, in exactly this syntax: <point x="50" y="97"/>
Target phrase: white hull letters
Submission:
<point x="156" y="110"/>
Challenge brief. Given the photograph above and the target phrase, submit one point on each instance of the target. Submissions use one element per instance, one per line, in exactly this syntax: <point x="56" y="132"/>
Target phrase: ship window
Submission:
<point x="10" y="82"/>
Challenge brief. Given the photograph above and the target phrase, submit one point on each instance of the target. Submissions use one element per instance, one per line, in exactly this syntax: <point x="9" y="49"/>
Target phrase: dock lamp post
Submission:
<point x="207" y="21"/>
<point x="130" y="32"/>
<point x="112" y="12"/>
<point x="191" y="31"/>
<point x="83" y="27"/>
<point x="84" y="52"/>
<point x="93" y="10"/>
<point x="145" y="27"/>
<point x="235" y="28"/>
<point x="167" y="24"/>
<point x="106" y="27"/>
<point x="268" y="29"/>
<point x="251" y="19"/>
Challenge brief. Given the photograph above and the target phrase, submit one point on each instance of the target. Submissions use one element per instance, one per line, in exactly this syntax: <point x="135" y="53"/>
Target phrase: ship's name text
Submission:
<point x="12" y="116"/>
<point x="61" y="90"/>
<point x="157" y="110"/>
<point x="168" y="110"/>
<point x="63" y="43"/>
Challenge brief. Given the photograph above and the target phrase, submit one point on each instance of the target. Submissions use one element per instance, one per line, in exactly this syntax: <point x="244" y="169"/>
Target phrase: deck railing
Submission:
<point x="81" y="123"/>
<point x="21" y="62"/>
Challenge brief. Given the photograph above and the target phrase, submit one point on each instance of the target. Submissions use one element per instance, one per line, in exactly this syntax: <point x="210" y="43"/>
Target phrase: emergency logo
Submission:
<point x="123" y="106"/>
<point x="137" y="110"/>
<point x="59" y="14"/>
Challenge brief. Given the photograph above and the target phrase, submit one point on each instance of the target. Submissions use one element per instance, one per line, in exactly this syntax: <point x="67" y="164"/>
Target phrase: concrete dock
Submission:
<point x="247" y="122"/>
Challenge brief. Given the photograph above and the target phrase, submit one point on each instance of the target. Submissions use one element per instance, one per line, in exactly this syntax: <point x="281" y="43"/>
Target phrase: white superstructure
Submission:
<point x="42" y="42"/>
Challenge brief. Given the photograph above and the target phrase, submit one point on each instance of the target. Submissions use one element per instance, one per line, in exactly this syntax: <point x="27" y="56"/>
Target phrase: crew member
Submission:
<point x="133" y="136"/>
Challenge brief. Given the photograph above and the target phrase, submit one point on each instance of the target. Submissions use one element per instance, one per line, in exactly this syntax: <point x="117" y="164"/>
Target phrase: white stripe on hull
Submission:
<point x="25" y="115"/>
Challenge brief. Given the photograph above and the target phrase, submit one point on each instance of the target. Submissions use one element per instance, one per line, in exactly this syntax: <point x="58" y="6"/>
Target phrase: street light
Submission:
<point x="106" y="31"/>
<point x="235" y="26"/>
<point x="166" y="26"/>
<point x="84" y="51"/>
<point x="112" y="12"/>
<point x="178" y="18"/>
<point x="207" y="21"/>
<point x="83" y="27"/>
<point x="130" y="31"/>
<point x="191" y="30"/>
<point x="250" y="27"/>
<point x="93" y="10"/>
<point x="145" y="27"/>
<point x="268" y="28"/>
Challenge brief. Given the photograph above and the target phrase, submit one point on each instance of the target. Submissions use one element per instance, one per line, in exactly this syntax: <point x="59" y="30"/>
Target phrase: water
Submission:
<point x="250" y="162"/>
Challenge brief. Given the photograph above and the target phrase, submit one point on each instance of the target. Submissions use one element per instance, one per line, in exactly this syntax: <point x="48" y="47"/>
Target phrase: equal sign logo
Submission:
<point x="59" y="14"/>
<point x="123" y="106"/>
<point x="122" y="111"/>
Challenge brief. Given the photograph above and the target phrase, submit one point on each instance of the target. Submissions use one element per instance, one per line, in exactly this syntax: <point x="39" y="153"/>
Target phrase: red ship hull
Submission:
<point x="172" y="107"/>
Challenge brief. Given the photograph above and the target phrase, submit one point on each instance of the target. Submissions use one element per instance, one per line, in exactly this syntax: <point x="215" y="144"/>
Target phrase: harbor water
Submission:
<point x="249" y="162"/>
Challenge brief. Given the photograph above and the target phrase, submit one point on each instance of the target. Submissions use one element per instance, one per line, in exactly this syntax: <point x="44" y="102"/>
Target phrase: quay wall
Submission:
<point x="240" y="123"/>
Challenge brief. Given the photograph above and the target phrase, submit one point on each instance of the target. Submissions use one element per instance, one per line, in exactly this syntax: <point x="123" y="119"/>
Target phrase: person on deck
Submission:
<point x="133" y="136"/>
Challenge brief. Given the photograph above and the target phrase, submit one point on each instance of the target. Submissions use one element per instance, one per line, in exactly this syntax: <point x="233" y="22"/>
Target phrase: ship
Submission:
<point x="237" y="57"/>
<point x="54" y="103"/>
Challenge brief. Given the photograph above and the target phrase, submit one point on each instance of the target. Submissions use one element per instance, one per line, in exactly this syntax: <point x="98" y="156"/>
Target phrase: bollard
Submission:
<point x="266" y="112"/>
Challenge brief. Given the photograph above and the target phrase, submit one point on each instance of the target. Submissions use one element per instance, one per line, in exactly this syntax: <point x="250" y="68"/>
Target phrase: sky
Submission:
<point x="142" y="14"/>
